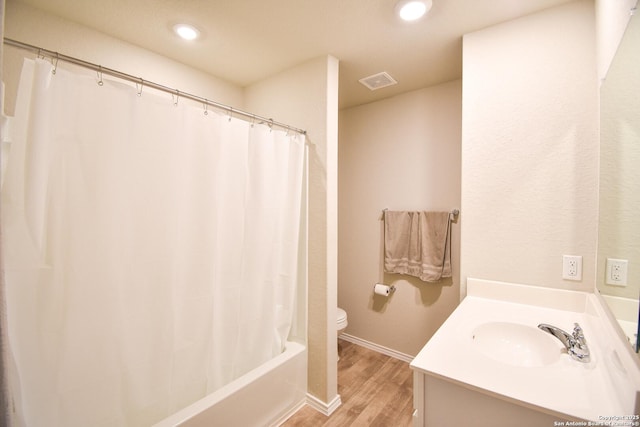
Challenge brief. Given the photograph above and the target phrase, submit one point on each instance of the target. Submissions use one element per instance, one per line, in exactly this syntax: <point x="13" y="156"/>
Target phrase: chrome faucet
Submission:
<point x="575" y="343"/>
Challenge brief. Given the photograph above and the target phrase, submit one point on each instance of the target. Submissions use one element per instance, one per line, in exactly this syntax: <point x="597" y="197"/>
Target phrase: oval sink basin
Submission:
<point x="516" y="344"/>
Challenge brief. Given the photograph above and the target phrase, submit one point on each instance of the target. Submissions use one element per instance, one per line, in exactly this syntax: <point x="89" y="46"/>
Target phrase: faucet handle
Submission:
<point x="578" y="334"/>
<point x="575" y="343"/>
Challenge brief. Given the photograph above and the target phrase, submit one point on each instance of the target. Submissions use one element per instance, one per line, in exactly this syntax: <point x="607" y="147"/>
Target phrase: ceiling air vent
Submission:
<point x="378" y="81"/>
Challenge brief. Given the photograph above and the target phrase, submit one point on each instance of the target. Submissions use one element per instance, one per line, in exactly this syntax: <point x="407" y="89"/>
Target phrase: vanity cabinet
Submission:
<point x="441" y="403"/>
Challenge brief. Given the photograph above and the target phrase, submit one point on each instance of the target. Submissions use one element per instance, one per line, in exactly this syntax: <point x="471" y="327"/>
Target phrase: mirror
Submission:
<point x="619" y="222"/>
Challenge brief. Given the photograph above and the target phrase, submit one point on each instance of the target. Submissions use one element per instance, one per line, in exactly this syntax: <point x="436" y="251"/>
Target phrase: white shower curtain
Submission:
<point x="151" y="250"/>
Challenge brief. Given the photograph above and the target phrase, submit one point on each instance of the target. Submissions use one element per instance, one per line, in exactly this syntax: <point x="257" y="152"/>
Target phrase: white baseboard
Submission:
<point x="324" y="408"/>
<point x="375" y="347"/>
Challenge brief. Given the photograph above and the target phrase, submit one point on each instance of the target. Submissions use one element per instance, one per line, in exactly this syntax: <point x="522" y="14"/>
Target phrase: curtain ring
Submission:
<point x="100" y="82"/>
<point x="176" y="99"/>
<point x="230" y="114"/>
<point x="139" y="91"/>
<point x="54" y="61"/>
<point x="270" y="125"/>
<point x="205" y="104"/>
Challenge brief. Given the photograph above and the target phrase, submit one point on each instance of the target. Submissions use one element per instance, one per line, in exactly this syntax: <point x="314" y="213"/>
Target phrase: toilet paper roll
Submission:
<point x="381" y="289"/>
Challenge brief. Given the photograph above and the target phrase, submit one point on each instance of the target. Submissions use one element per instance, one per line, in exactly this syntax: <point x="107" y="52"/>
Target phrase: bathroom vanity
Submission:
<point x="490" y="365"/>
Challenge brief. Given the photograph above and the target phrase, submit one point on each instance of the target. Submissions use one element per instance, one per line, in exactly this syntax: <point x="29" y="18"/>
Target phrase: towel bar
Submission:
<point x="453" y="214"/>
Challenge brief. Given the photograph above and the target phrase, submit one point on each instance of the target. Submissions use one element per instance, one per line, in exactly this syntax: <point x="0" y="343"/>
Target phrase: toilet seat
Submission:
<point x="341" y="319"/>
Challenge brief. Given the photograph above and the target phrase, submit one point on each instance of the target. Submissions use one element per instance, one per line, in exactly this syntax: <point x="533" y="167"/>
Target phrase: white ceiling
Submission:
<point x="247" y="40"/>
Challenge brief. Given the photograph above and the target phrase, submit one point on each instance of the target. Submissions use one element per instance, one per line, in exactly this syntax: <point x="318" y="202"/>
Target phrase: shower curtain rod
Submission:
<point x="145" y="83"/>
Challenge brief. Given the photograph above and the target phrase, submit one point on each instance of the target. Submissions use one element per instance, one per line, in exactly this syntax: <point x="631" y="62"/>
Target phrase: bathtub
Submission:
<point x="265" y="396"/>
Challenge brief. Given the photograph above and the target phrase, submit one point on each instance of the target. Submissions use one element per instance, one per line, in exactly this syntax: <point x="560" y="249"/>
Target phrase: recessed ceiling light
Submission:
<point x="187" y="32"/>
<point x="411" y="10"/>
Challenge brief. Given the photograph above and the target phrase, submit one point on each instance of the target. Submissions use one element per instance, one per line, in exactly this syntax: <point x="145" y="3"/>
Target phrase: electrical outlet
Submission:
<point x="616" y="272"/>
<point x="571" y="267"/>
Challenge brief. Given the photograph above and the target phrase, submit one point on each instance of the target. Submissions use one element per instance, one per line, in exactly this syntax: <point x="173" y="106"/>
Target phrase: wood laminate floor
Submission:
<point x="375" y="389"/>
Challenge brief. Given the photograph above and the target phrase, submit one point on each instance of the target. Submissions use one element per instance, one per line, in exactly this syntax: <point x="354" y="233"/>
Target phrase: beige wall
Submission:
<point x="309" y="92"/>
<point x="530" y="148"/>
<point x="402" y="153"/>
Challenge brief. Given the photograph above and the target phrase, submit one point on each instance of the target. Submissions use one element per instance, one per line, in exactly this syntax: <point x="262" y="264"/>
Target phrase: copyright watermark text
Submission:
<point x="603" y="420"/>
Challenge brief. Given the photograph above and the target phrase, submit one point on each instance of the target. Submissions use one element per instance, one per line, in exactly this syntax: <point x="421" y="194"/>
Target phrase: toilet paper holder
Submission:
<point x="391" y="288"/>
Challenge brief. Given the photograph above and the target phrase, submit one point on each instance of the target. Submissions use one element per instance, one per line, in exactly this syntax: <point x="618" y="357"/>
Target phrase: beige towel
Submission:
<point x="417" y="244"/>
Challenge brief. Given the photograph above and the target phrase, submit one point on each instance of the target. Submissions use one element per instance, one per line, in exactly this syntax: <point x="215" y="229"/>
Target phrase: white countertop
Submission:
<point x="605" y="386"/>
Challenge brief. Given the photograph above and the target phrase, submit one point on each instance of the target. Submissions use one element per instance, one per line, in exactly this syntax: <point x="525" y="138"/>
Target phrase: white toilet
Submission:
<point x="341" y="320"/>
